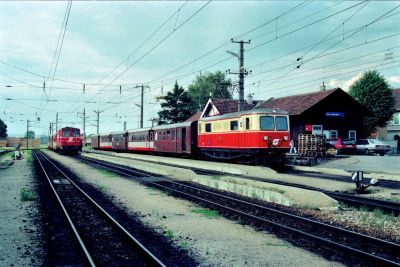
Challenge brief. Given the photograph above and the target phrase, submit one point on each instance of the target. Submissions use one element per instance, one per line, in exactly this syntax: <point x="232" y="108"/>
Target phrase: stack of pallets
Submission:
<point x="311" y="145"/>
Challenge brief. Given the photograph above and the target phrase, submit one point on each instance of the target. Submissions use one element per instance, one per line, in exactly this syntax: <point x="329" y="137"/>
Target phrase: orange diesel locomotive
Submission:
<point x="256" y="134"/>
<point x="66" y="140"/>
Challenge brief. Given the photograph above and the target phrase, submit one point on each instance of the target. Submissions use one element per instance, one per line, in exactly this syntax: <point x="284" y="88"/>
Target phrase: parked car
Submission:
<point x="372" y="146"/>
<point x="342" y="146"/>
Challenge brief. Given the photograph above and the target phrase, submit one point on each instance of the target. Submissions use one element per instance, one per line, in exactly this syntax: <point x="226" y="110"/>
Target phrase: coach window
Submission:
<point x="234" y="125"/>
<point x="208" y="127"/>
<point x="267" y="123"/>
<point x="281" y="123"/>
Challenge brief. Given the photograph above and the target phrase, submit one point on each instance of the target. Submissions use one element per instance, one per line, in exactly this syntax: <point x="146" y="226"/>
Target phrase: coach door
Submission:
<point x="184" y="139"/>
<point x="151" y="140"/>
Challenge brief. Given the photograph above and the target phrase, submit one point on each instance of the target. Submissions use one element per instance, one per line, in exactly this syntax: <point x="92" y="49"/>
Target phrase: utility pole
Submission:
<point x="124" y="125"/>
<point x="27" y="133"/>
<point x="141" y="102"/>
<point x="84" y="123"/>
<point x="242" y="71"/>
<point x="56" y="122"/>
<point x="98" y="118"/>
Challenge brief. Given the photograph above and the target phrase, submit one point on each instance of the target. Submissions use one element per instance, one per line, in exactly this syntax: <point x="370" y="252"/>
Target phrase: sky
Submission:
<point x="107" y="50"/>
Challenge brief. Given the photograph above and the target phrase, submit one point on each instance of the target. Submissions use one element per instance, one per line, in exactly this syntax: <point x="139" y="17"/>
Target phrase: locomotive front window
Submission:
<point x="281" y="123"/>
<point x="267" y="123"/>
<point x="247" y="122"/>
<point x="234" y="125"/>
<point x="65" y="133"/>
<point x="75" y="132"/>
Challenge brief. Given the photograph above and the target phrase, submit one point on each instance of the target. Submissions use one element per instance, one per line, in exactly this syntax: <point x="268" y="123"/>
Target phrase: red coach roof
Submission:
<point x="194" y="117"/>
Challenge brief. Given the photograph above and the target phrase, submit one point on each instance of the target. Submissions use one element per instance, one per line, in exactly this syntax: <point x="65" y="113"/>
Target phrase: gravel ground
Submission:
<point x="213" y="240"/>
<point x="375" y="164"/>
<point x="373" y="223"/>
<point x="20" y="243"/>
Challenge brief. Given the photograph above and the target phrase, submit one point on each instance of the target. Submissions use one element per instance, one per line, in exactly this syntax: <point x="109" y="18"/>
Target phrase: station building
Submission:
<point x="333" y="113"/>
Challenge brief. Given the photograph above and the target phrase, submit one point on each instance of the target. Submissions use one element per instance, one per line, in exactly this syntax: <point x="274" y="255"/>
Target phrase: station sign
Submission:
<point x="334" y="114"/>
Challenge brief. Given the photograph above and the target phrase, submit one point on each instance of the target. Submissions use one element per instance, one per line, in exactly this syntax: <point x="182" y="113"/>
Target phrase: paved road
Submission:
<point x="375" y="164"/>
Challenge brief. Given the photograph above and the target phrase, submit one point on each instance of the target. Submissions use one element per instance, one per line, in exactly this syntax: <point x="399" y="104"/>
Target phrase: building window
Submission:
<point x="396" y="119"/>
<point x="352" y="135"/>
<point x="234" y="125"/>
<point x="208" y="127"/>
<point x="333" y="134"/>
<point x="317" y="129"/>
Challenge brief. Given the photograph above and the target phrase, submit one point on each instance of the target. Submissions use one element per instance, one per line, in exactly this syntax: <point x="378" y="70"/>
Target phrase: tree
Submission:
<point x="30" y="135"/>
<point x="3" y="129"/>
<point x="374" y="93"/>
<point x="214" y="85"/>
<point x="175" y="106"/>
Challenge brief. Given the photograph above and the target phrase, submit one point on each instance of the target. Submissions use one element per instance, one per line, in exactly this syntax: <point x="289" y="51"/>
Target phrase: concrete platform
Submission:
<point x="279" y="194"/>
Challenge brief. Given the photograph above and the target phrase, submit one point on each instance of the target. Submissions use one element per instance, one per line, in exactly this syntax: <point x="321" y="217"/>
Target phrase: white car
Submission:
<point x="372" y="146"/>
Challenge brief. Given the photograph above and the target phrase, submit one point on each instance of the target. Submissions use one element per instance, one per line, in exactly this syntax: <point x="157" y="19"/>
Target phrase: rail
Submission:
<point x="391" y="249"/>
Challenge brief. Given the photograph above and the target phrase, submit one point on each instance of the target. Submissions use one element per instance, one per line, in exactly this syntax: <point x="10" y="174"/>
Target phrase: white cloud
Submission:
<point x="394" y="79"/>
<point x="333" y="83"/>
<point x="344" y="84"/>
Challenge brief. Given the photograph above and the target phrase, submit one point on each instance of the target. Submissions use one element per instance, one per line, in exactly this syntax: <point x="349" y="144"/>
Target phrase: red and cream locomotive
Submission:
<point x="258" y="135"/>
<point x="66" y="140"/>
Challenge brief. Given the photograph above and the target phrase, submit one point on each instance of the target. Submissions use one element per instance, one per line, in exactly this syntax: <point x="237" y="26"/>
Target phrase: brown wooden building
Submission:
<point x="333" y="113"/>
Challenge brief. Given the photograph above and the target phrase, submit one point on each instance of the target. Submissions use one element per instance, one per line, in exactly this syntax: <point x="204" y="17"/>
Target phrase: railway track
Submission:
<point x="341" y="178"/>
<point x="102" y="239"/>
<point x="389" y="207"/>
<point x="319" y="235"/>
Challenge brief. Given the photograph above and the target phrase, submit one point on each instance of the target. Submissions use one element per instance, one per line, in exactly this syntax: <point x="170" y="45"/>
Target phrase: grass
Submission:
<point x="101" y="187"/>
<point x="27" y="195"/>
<point x="28" y="155"/>
<point x="206" y="213"/>
<point x="184" y="245"/>
<point x="169" y="233"/>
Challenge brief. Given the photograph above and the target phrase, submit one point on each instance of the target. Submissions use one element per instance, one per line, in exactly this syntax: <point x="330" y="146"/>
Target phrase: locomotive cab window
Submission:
<point x="267" y="123"/>
<point x="75" y="132"/>
<point x="234" y="125"/>
<point x="208" y="127"/>
<point x="65" y="133"/>
<point x="281" y="123"/>
<point x="247" y="123"/>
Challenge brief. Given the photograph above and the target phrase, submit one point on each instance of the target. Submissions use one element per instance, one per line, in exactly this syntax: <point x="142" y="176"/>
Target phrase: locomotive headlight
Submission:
<point x="286" y="138"/>
<point x="265" y="137"/>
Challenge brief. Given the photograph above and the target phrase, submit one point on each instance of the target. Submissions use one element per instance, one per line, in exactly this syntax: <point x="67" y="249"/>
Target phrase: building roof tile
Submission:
<point x="296" y="104"/>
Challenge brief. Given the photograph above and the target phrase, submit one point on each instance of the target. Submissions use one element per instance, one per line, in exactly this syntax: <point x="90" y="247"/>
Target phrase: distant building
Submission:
<point x="333" y="113"/>
<point x="391" y="133"/>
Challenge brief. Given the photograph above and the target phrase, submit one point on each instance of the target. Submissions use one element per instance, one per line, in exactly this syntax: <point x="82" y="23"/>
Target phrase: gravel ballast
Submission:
<point x="20" y="238"/>
<point x="212" y="240"/>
